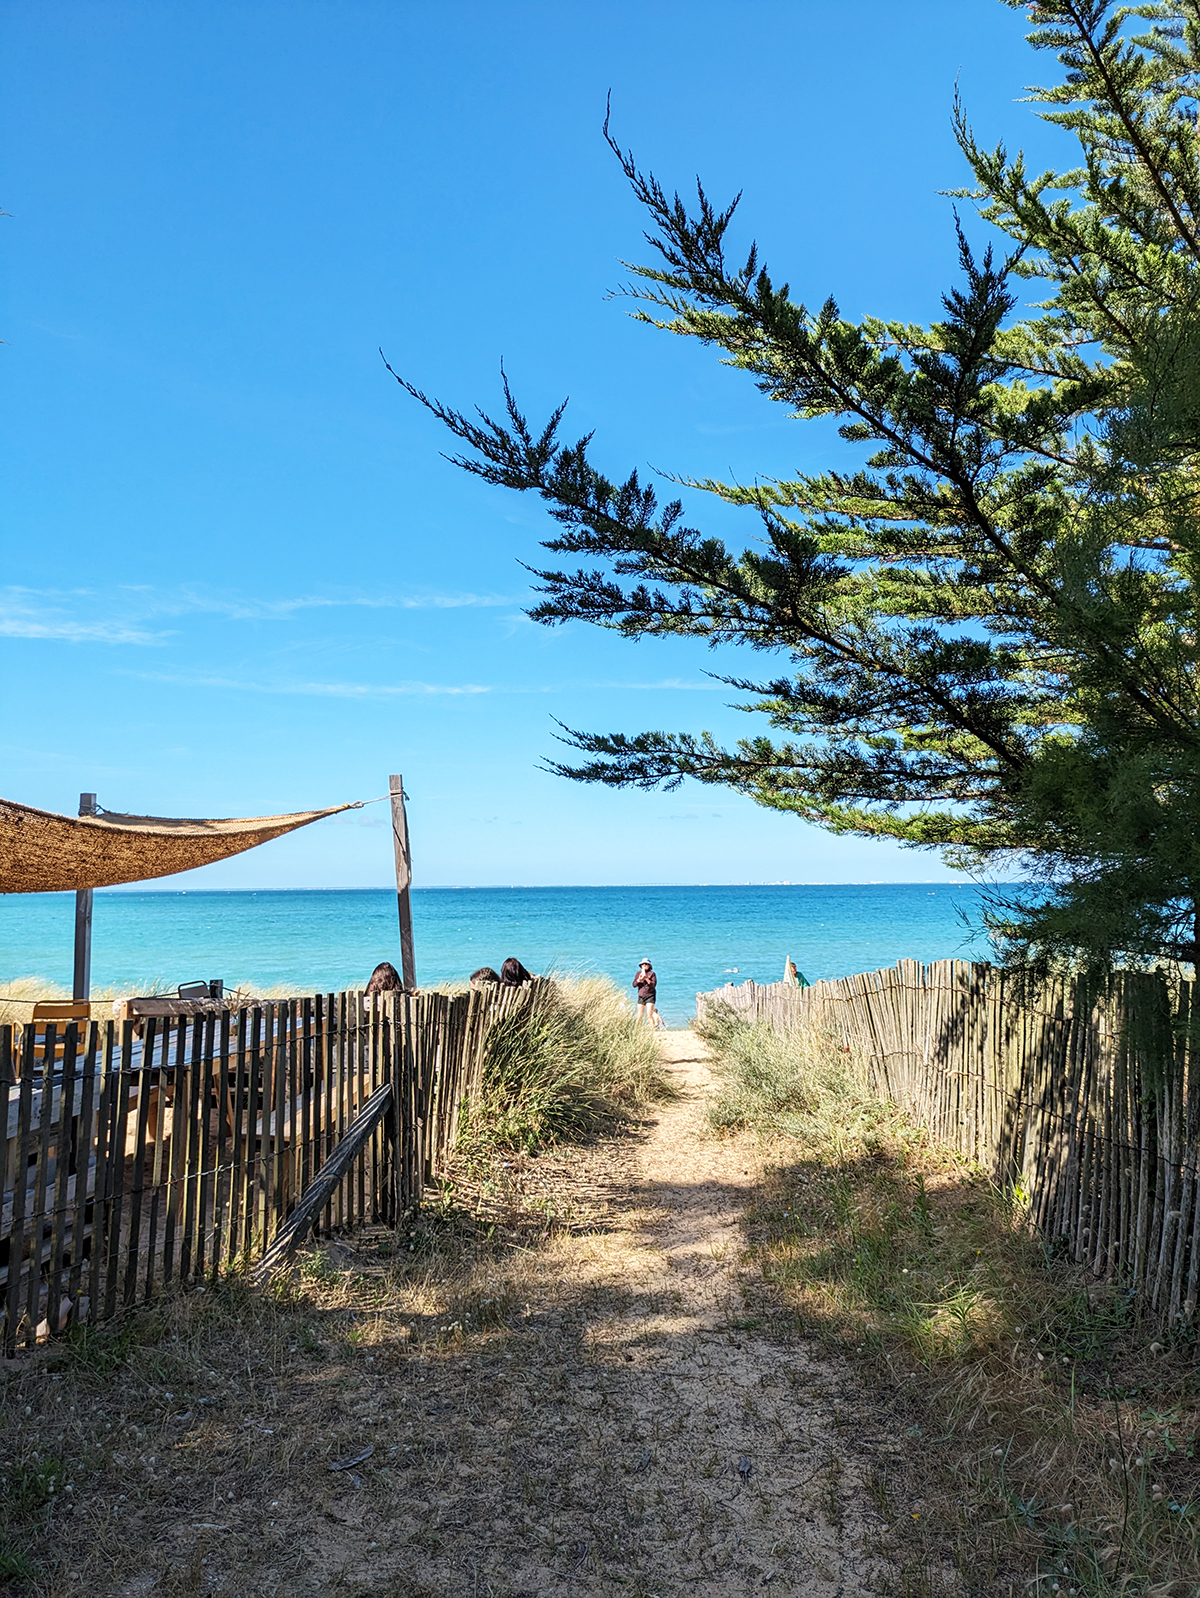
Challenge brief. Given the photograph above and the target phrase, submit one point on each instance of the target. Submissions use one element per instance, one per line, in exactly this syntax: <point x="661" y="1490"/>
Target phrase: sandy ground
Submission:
<point x="623" y="1426"/>
<point x="645" y="1444"/>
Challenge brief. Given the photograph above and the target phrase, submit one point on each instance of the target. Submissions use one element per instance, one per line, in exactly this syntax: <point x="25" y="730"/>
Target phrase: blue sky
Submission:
<point x="239" y="577"/>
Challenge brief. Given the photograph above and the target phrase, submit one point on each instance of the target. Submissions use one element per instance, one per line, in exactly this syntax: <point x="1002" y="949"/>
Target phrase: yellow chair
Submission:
<point x="59" y="1016"/>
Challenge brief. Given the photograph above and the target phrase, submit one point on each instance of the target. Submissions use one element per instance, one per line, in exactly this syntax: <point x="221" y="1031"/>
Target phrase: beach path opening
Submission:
<point x="631" y="1432"/>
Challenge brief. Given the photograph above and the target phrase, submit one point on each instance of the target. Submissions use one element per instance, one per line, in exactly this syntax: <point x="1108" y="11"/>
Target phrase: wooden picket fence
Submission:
<point x="171" y="1150"/>
<point x="1089" y="1099"/>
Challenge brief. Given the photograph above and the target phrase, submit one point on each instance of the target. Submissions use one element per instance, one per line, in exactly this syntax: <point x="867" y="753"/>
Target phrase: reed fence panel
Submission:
<point x="1088" y="1098"/>
<point x="140" y="1154"/>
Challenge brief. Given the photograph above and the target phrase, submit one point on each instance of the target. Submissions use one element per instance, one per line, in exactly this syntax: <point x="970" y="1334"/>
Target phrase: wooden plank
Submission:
<point x="40" y="1149"/>
<point x="372" y="1008"/>
<point x="307" y="1096"/>
<point x="160" y="1154"/>
<point x="117" y="1165"/>
<point x="85" y="1157"/>
<point x="334" y="1171"/>
<point x="223" y="1175"/>
<point x="276" y="1128"/>
<point x="295" y="1145"/>
<point x="239" y="1068"/>
<point x="362" y="1092"/>
<point x="328" y="1041"/>
<point x="350" y="1041"/>
<point x="250" y="1162"/>
<point x="342" y="1057"/>
<point x="63" y="1193"/>
<point x="176" y="1152"/>
<point x="188" y="1101"/>
<point x="209" y="1080"/>
<point x="16" y="1244"/>
<point x="137" y="1187"/>
<point x="264" y="1191"/>
<point x="108" y="1074"/>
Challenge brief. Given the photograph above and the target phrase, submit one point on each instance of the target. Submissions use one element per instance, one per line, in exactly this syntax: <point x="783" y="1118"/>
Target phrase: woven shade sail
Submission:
<point x="41" y="852"/>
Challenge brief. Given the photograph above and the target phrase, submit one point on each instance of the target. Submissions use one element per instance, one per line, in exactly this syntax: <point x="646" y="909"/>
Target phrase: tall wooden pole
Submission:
<point x="82" y="988"/>
<point x="408" y="970"/>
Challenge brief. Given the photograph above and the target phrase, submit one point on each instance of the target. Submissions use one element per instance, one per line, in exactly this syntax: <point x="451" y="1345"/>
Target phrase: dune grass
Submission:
<point x="1061" y="1434"/>
<point x="18" y="997"/>
<point x="796" y="1082"/>
<point x="572" y="1062"/>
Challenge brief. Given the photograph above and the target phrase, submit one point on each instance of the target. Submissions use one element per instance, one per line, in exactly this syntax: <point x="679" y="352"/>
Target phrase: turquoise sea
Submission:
<point x="326" y="939"/>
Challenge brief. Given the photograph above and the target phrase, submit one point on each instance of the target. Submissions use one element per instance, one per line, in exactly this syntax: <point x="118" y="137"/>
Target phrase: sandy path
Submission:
<point x="640" y="1442"/>
<point x="619" y="1431"/>
<point x="754" y="1483"/>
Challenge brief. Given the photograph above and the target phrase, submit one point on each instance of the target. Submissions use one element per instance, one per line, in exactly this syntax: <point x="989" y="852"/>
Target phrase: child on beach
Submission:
<point x="646" y="983"/>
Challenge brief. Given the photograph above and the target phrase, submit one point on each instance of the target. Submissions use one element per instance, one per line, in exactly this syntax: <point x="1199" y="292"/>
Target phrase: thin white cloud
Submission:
<point x="406" y="689"/>
<point x="320" y="690"/>
<point x="21" y="620"/>
<point x="119" y="615"/>
<point x="240" y="608"/>
<point x="665" y="684"/>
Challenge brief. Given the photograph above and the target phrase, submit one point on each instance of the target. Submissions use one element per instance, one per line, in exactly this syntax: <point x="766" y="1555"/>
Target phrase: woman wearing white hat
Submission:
<point x="646" y="983"/>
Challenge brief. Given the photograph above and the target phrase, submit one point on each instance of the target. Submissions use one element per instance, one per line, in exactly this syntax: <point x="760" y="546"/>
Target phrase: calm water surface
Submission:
<point x="319" y="940"/>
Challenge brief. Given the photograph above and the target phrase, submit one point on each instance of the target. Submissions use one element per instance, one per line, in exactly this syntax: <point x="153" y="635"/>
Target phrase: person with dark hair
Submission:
<point x="385" y="979"/>
<point x="513" y="973"/>
<point x="646" y="983"/>
<point x="484" y="975"/>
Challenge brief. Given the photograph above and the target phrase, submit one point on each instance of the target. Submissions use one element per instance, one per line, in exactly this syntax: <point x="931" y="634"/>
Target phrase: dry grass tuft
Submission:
<point x="1060" y="1435"/>
<point x="18" y="997"/>
<point x="569" y="1064"/>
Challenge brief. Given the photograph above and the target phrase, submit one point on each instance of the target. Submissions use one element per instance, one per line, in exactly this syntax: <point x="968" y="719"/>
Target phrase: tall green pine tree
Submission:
<point x="986" y="634"/>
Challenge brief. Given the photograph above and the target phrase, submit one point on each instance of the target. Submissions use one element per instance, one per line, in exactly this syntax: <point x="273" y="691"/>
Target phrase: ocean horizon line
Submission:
<point x="550" y="887"/>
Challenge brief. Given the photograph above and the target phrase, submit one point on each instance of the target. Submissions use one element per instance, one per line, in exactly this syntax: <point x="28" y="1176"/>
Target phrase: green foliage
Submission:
<point x="28" y="1486"/>
<point x="985" y="617"/>
<point x="15" y="1564"/>
<point x="561" y="1067"/>
<point x="795" y="1082"/>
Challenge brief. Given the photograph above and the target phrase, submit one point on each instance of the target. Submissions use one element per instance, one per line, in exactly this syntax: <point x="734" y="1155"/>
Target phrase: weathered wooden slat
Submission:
<point x="137" y="1186"/>
<point x="222" y="1177"/>
<point x="20" y="1166"/>
<point x="63" y="1194"/>
<point x="334" y="1171"/>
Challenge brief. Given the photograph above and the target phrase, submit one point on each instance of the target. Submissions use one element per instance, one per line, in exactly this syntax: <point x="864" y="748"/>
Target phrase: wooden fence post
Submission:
<point x="82" y="988"/>
<point x="408" y="970"/>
